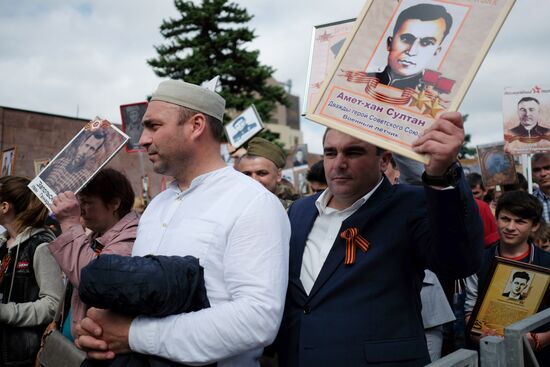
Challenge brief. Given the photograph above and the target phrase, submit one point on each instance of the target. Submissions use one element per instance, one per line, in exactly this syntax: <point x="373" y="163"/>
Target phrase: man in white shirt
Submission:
<point x="358" y="253"/>
<point x="232" y="224"/>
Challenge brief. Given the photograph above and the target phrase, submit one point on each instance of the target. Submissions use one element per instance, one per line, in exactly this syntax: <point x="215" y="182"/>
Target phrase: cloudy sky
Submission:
<point x="72" y="57"/>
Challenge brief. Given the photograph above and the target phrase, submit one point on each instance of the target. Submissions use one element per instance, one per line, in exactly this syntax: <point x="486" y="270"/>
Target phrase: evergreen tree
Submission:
<point x="209" y="39"/>
<point x="465" y="150"/>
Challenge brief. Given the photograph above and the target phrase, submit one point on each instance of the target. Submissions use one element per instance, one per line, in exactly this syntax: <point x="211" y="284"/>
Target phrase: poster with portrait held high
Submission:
<point x="78" y="162"/>
<point x="244" y="127"/>
<point x="326" y="42"/>
<point x="513" y="291"/>
<point x="8" y="162"/>
<point x="403" y="65"/>
<point x="526" y="115"/>
<point x="497" y="167"/>
<point x="131" y="115"/>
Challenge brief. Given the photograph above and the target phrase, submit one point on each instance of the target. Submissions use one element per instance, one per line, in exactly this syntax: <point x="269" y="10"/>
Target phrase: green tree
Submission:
<point x="466" y="151"/>
<point x="209" y="39"/>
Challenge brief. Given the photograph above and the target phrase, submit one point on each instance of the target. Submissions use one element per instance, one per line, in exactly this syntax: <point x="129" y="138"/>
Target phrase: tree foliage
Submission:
<point x="210" y="39"/>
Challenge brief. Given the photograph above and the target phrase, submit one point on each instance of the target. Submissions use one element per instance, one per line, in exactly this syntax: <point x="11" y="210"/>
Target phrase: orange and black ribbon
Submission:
<point x="353" y="240"/>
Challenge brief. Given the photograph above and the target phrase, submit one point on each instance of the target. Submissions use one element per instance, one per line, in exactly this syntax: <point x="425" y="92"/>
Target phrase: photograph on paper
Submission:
<point x="8" y="162"/>
<point x="244" y="127"/>
<point x="403" y="65"/>
<point x="526" y="115"/>
<point x="132" y="114"/>
<point x="79" y="160"/>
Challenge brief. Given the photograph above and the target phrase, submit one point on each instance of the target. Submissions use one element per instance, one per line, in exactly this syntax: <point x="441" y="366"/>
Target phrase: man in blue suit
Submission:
<point x="358" y="253"/>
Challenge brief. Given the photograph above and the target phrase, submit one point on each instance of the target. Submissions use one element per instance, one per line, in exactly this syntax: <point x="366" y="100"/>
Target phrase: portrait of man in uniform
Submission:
<point x="242" y="127"/>
<point x="131" y="122"/>
<point x="529" y="116"/>
<point x="417" y="38"/>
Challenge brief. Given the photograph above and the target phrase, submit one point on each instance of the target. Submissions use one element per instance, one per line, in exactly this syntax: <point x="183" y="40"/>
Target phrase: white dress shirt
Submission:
<point x="240" y="233"/>
<point x="323" y="234"/>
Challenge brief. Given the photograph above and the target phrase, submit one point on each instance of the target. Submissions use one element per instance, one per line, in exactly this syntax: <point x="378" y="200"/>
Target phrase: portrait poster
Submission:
<point x="396" y="74"/>
<point x="514" y="291"/>
<point x="299" y="158"/>
<point x="132" y="114"/>
<point x="526" y="115"/>
<point x="71" y="169"/>
<point x="288" y="174"/>
<point x="8" y="161"/>
<point x="300" y="181"/>
<point x="326" y="42"/>
<point x="40" y="164"/>
<point x="497" y="166"/>
<point x="244" y="127"/>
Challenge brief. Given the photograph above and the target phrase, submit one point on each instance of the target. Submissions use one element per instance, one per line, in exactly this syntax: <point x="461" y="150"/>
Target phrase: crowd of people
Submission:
<point x="354" y="274"/>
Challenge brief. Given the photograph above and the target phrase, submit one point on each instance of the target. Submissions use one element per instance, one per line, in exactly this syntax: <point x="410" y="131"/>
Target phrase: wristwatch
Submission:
<point x="449" y="178"/>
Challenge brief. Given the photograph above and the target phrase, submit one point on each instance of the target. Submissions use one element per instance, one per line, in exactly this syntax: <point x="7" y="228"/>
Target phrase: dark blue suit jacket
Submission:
<point x="368" y="313"/>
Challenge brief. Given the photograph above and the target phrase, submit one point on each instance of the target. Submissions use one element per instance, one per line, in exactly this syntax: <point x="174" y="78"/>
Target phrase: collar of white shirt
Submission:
<point x="322" y="201"/>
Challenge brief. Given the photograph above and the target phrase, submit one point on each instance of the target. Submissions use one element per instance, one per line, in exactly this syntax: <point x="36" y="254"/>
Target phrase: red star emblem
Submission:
<point x="325" y="37"/>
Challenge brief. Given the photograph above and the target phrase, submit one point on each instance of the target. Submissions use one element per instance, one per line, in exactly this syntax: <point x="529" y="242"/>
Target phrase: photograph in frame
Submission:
<point x="496" y="165"/>
<point x="8" y="162"/>
<point x="300" y="181"/>
<point x="299" y="158"/>
<point x="131" y="115"/>
<point x="244" y="127"/>
<point x="326" y="42"/>
<point x="514" y="291"/>
<point x="396" y="74"/>
<point x="526" y="120"/>
<point x="40" y="164"/>
<point x="71" y="169"/>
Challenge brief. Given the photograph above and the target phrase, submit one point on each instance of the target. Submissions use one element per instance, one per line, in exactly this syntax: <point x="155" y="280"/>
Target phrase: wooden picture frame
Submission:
<point x="8" y="161"/>
<point x="357" y="101"/>
<point x="513" y="291"/>
<point x="496" y="165"/>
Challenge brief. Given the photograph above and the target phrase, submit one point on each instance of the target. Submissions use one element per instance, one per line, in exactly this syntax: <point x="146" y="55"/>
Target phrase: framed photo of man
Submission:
<point x="244" y="127"/>
<point x="8" y="161"/>
<point x="40" y="164"/>
<point x="403" y="65"/>
<point x="526" y="115"/>
<point x="326" y="42"/>
<point x="79" y="161"/>
<point x="514" y="291"/>
<point x="132" y="114"/>
<point x="497" y="166"/>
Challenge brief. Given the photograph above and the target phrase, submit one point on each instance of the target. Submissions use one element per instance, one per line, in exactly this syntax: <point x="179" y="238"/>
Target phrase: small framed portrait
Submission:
<point x="300" y="156"/>
<point x="8" y="161"/>
<point x="40" y="164"/>
<point x="514" y="291"/>
<point x="244" y="127"/>
<point x="497" y="166"/>
<point x="132" y="114"/>
<point x="79" y="160"/>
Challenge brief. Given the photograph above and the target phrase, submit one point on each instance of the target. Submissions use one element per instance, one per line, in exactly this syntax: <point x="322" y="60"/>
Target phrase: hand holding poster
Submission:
<point x="403" y="65"/>
<point x="79" y="160"/>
